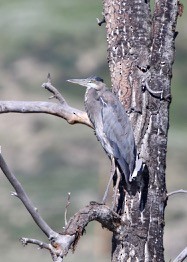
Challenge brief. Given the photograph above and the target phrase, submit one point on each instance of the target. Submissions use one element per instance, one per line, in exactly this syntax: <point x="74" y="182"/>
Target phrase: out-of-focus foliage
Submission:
<point x="51" y="157"/>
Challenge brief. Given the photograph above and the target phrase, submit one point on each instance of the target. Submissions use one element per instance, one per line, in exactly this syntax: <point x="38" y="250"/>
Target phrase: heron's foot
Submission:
<point x="106" y="193"/>
<point x="112" y="172"/>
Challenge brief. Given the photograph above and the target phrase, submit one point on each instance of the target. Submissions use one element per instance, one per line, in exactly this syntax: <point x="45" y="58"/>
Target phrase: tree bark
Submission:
<point x="140" y="56"/>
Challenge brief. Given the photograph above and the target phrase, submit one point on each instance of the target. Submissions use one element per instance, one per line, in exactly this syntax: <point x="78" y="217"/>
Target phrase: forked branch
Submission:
<point x="62" y="109"/>
<point x="53" y="90"/>
<point x="61" y="243"/>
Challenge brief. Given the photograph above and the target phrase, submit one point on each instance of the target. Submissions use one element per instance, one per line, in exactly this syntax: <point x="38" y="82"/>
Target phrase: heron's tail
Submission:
<point x="138" y="168"/>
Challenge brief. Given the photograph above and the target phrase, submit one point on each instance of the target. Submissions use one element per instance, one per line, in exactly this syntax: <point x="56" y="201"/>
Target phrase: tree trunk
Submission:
<point x="140" y="55"/>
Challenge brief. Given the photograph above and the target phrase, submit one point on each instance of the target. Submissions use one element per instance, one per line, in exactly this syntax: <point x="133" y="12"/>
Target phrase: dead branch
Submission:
<point x="66" y="208"/>
<point x="94" y="211"/>
<point x="57" y="250"/>
<point x="181" y="257"/>
<point x="70" y="114"/>
<point x="61" y="243"/>
<point x="53" y="90"/>
<point x="21" y="194"/>
<point x="25" y="241"/>
<point x="62" y="109"/>
<point x="177" y="192"/>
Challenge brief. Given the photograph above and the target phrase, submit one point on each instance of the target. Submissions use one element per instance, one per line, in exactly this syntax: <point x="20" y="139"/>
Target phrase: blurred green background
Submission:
<point x="52" y="158"/>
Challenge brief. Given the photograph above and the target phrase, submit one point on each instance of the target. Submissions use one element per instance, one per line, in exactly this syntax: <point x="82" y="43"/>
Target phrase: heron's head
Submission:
<point x="91" y="82"/>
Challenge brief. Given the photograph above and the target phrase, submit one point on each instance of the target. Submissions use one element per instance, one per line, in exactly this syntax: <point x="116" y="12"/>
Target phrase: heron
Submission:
<point x="112" y="127"/>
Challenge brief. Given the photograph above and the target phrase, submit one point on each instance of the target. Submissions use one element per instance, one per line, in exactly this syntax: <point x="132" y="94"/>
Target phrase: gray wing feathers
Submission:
<point x="94" y="112"/>
<point x="112" y="127"/>
<point x="118" y="130"/>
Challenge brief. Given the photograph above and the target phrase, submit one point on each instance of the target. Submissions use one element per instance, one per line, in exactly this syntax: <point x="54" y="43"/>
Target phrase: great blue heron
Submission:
<point x="112" y="125"/>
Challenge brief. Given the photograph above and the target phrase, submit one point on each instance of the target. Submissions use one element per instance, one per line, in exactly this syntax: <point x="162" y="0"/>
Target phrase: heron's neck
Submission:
<point x="88" y="94"/>
<point x="94" y="94"/>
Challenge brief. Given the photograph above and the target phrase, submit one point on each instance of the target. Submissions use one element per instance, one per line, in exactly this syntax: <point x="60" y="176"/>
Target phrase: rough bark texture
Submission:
<point x="141" y="54"/>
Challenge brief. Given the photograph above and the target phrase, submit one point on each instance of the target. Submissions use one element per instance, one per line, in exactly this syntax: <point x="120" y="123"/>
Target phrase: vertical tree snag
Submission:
<point x="140" y="55"/>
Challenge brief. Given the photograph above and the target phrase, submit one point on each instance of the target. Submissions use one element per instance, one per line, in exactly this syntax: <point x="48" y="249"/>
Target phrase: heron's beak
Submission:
<point x="81" y="82"/>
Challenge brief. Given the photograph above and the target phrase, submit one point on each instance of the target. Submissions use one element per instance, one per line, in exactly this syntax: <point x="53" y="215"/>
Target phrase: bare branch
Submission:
<point x="63" y="110"/>
<point x="58" y="248"/>
<point x="66" y="209"/>
<point x="25" y="241"/>
<point x="95" y="211"/>
<point x="177" y="192"/>
<point x="54" y="254"/>
<point x="70" y="114"/>
<point x="181" y="257"/>
<point x="53" y="90"/>
<point x="60" y="244"/>
<point x="21" y="194"/>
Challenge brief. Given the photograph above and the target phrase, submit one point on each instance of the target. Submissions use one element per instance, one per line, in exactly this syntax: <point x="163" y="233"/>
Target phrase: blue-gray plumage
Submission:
<point x="111" y="123"/>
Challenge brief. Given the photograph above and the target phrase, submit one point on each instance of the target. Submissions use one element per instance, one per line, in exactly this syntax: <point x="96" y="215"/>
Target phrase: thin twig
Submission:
<point x="25" y="241"/>
<point x="177" y="192"/>
<point x="54" y="254"/>
<point x="66" y="208"/>
<point x="70" y="114"/>
<point x="100" y="22"/>
<point x="181" y="257"/>
<point x="53" y="90"/>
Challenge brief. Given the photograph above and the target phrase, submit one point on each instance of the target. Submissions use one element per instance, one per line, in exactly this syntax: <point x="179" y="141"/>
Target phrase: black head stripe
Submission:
<point x="96" y="78"/>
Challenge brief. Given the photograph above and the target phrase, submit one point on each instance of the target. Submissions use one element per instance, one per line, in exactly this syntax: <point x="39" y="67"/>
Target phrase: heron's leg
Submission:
<point x="116" y="188"/>
<point x="112" y="172"/>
